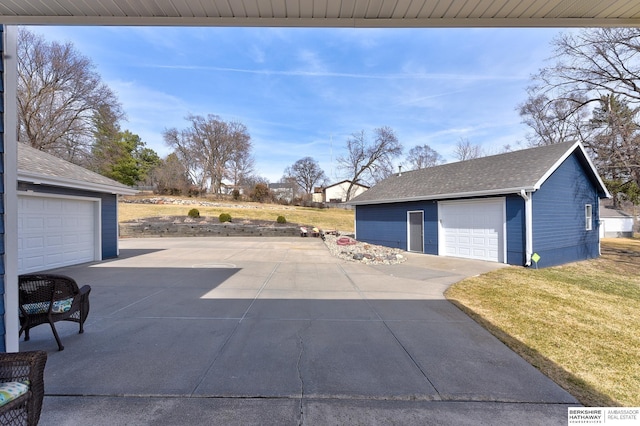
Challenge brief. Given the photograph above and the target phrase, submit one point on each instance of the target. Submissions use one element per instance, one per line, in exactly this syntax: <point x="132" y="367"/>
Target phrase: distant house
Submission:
<point x="228" y="188"/>
<point x="282" y="191"/>
<point x="615" y="223"/>
<point x="66" y="214"/>
<point x="318" y="195"/>
<point x="501" y="208"/>
<point x="337" y="193"/>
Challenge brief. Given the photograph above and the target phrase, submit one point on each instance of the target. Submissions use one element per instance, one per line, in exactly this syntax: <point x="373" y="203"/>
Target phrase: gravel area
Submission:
<point x="357" y="251"/>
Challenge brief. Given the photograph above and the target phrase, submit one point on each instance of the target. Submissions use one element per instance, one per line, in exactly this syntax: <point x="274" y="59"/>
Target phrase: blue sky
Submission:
<point x="302" y="92"/>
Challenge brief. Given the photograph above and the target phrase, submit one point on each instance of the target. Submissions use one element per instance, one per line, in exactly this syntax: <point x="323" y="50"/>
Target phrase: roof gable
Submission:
<point x="511" y="172"/>
<point x="348" y="182"/>
<point x="42" y="168"/>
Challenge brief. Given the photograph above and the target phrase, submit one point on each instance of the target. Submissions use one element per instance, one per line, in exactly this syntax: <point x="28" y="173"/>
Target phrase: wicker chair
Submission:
<point x="48" y="298"/>
<point x="23" y="367"/>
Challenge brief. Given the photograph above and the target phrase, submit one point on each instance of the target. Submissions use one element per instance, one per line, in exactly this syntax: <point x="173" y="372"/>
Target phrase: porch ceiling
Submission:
<point x="325" y="13"/>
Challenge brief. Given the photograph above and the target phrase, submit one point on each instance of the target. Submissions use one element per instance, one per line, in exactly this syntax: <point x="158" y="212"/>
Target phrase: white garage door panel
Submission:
<point x="55" y="232"/>
<point x="473" y="230"/>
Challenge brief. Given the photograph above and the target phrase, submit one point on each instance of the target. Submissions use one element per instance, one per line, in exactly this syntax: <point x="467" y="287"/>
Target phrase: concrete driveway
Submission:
<point x="277" y="331"/>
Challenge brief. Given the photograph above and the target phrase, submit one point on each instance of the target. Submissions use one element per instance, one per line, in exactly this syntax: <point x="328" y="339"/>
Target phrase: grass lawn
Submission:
<point x="326" y="219"/>
<point x="577" y="323"/>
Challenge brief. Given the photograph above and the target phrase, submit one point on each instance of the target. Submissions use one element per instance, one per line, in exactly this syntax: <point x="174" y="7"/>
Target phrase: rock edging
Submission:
<point x="357" y="251"/>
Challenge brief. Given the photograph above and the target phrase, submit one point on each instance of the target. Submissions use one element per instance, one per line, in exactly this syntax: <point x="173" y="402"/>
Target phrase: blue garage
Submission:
<point x="500" y="208"/>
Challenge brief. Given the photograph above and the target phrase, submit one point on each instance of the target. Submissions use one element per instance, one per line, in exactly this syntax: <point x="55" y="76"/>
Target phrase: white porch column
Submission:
<point x="10" y="177"/>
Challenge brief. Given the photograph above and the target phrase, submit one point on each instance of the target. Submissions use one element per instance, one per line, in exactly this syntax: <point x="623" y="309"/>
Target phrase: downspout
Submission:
<point x="528" y="226"/>
<point x="355" y="223"/>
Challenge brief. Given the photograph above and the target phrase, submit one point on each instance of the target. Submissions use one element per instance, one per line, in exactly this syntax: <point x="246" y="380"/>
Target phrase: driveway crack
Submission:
<point x="404" y="348"/>
<point x="300" y="376"/>
<point x="235" y="328"/>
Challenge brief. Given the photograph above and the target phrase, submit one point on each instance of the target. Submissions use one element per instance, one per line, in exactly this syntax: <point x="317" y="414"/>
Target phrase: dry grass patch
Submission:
<point x="577" y="323"/>
<point x="327" y="219"/>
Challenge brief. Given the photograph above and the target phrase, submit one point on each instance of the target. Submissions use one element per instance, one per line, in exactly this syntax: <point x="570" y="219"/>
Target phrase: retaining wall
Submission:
<point x="151" y="229"/>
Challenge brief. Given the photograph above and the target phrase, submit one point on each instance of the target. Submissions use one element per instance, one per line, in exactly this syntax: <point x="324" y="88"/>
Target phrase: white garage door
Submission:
<point x="55" y="232"/>
<point x="472" y="229"/>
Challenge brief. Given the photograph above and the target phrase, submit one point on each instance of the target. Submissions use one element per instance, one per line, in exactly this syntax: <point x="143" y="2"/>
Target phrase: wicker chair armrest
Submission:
<point x="22" y="366"/>
<point x="85" y="290"/>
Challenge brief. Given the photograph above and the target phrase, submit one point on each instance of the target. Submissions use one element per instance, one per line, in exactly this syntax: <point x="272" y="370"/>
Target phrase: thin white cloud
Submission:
<point x="330" y="74"/>
<point x="424" y="101"/>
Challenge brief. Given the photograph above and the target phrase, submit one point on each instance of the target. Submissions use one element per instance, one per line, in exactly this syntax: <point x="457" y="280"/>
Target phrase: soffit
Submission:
<point x="325" y="13"/>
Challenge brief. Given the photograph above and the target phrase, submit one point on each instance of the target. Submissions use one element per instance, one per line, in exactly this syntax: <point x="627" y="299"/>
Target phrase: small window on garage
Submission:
<point x="588" y="216"/>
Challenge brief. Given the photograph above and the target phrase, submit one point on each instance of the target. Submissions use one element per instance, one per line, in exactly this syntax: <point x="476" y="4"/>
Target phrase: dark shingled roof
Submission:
<point x="609" y="211"/>
<point x="33" y="163"/>
<point x="496" y="174"/>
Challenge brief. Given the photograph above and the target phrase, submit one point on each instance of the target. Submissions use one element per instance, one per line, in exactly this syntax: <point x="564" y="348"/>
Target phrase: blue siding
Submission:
<point x="108" y="212"/>
<point x="386" y="224"/>
<point x="516" y="242"/>
<point x="559" y="234"/>
<point x="430" y="227"/>
<point x="2" y="219"/>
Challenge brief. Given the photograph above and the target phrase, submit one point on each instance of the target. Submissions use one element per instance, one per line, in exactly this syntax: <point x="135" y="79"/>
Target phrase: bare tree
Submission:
<point x="465" y="150"/>
<point x="369" y="161"/>
<point x="596" y="61"/>
<point x="240" y="167"/>
<point x="250" y="181"/>
<point x="61" y="99"/>
<point x="423" y="156"/>
<point x="554" y="120"/>
<point x="307" y="174"/>
<point x="171" y="176"/>
<point x="209" y="147"/>
<point x="590" y="63"/>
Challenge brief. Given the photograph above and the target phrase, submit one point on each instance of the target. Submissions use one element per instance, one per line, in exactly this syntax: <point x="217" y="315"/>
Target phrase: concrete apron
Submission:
<point x="278" y="331"/>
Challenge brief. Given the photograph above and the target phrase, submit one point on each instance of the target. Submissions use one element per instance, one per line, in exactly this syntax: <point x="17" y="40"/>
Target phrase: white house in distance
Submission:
<point x="615" y="223"/>
<point x="337" y="193"/>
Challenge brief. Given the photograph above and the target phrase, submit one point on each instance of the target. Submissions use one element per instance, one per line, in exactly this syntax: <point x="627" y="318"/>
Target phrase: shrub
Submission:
<point x="224" y="217"/>
<point x="236" y="194"/>
<point x="193" y="191"/>
<point x="281" y="219"/>
<point x="260" y="193"/>
<point x="194" y="213"/>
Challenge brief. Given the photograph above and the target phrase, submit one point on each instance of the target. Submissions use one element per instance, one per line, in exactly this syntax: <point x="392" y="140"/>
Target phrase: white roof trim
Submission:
<point x="564" y="157"/>
<point x="345" y="181"/>
<point x="40" y="179"/>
